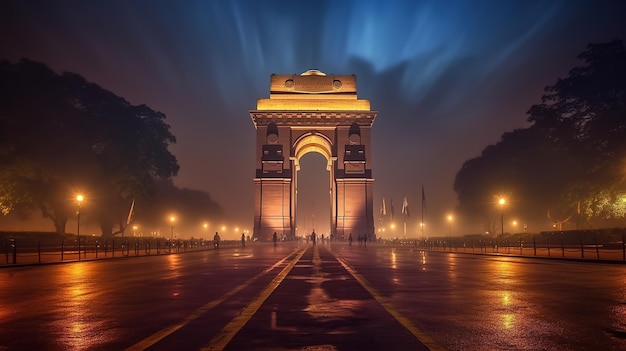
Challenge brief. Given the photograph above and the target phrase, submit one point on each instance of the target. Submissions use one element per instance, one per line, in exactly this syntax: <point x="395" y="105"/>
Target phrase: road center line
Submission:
<point x="158" y="336"/>
<point x="231" y="329"/>
<point x="422" y="337"/>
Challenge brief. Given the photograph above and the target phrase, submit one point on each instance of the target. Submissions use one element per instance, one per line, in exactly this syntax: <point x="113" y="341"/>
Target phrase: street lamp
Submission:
<point x="502" y="201"/>
<point x="79" y="199"/>
<point x="172" y="219"/>
<point x="134" y="231"/>
<point x="450" y="225"/>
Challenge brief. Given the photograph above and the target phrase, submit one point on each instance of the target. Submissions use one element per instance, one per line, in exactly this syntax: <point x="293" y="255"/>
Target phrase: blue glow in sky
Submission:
<point x="447" y="77"/>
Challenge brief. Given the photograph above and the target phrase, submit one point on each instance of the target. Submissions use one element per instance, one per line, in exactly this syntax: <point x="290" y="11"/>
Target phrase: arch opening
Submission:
<point x="313" y="193"/>
<point x="313" y="184"/>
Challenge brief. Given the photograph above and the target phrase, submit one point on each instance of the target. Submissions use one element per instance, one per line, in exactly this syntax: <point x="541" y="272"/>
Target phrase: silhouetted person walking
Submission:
<point x="275" y="237"/>
<point x="216" y="240"/>
<point x="243" y="240"/>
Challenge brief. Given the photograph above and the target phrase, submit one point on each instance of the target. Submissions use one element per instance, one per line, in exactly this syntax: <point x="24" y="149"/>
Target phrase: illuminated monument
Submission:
<point x="313" y="112"/>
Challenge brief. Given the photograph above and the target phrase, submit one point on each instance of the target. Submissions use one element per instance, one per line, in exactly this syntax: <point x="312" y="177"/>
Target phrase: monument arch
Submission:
<point x="313" y="112"/>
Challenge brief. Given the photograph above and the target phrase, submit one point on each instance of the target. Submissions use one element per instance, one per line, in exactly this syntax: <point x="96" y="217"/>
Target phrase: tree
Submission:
<point x="592" y="100"/>
<point x="61" y="135"/>
<point x="192" y="208"/>
<point x="571" y="160"/>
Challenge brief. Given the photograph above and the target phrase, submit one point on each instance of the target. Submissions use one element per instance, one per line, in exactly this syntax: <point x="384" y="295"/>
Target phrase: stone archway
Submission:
<point x="313" y="112"/>
<point x="311" y="143"/>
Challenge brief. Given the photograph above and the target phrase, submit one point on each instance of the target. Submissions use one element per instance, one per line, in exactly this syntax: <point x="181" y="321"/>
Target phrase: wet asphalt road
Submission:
<point x="327" y="297"/>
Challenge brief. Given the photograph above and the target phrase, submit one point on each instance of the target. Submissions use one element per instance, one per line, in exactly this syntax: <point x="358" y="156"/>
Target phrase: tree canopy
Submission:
<point x="571" y="161"/>
<point x="61" y="135"/>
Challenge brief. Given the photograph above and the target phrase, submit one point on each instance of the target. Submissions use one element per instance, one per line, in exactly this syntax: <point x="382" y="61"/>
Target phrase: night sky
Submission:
<point x="447" y="77"/>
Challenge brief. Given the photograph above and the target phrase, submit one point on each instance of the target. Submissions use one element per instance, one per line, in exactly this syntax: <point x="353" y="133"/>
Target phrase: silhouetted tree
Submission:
<point x="191" y="208"/>
<point x="571" y="160"/>
<point x="61" y="135"/>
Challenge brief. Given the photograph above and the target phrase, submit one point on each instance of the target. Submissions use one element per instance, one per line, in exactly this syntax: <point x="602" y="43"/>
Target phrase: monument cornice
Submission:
<point x="313" y="118"/>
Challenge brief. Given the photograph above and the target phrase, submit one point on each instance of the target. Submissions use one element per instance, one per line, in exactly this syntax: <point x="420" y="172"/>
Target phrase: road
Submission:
<point x="323" y="297"/>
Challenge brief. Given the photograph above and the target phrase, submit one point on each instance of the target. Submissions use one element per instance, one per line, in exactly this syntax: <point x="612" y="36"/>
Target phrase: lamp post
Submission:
<point x="134" y="231"/>
<point x="502" y="201"/>
<point x="449" y="225"/>
<point x="172" y="219"/>
<point x="79" y="199"/>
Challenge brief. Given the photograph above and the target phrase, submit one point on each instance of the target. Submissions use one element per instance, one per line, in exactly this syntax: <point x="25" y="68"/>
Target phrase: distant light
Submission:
<point x="502" y="201"/>
<point x="79" y="198"/>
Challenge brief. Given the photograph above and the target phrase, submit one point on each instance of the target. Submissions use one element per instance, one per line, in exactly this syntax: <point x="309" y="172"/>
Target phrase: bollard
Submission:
<point x="62" y="249"/>
<point x="548" y="240"/>
<point x="38" y="251"/>
<point x="535" y="245"/>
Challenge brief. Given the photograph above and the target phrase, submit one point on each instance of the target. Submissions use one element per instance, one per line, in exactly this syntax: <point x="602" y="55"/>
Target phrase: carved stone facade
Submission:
<point x="313" y="112"/>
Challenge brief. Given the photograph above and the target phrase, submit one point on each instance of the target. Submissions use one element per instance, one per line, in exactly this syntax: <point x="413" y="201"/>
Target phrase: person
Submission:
<point x="243" y="240"/>
<point x="216" y="240"/>
<point x="313" y="238"/>
<point x="350" y="240"/>
<point x="275" y="237"/>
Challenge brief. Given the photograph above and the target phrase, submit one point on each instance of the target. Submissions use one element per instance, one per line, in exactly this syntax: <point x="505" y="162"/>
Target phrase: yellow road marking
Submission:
<point x="158" y="336"/>
<point x="231" y="329"/>
<point x="422" y="337"/>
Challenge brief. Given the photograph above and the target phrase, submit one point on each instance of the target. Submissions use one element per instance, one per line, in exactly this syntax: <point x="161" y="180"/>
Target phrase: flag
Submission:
<point x="405" y="206"/>
<point x="383" y="208"/>
<point x="423" y="199"/>
<point x="391" y="204"/>
<point x="131" y="212"/>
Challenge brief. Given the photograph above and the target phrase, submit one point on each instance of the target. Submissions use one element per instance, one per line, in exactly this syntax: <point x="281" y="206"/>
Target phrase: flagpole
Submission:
<point x="405" y="227"/>
<point x="422" y="221"/>
<point x="405" y="212"/>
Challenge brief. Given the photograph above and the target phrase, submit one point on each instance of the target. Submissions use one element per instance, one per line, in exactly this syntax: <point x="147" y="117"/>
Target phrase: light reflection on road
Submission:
<point x="78" y="301"/>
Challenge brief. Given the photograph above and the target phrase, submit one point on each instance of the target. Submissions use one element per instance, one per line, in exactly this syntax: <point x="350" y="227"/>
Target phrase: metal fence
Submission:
<point x="33" y="251"/>
<point x="538" y="245"/>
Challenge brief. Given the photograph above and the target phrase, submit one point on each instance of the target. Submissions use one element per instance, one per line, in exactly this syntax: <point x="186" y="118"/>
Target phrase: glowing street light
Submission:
<point x="502" y="201"/>
<point x="79" y="200"/>
<point x="450" y="225"/>
<point x="172" y="219"/>
<point x="134" y="230"/>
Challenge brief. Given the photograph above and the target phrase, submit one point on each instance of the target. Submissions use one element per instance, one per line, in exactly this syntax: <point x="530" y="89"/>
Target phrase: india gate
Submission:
<point x="313" y="112"/>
